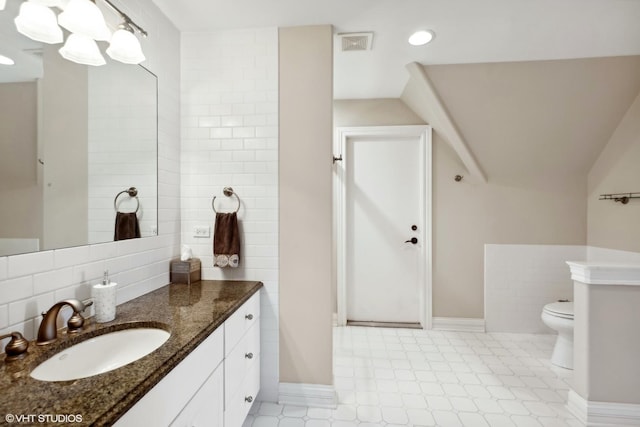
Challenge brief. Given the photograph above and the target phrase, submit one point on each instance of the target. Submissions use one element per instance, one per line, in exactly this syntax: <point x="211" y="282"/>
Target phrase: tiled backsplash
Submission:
<point x="230" y="138"/>
<point x="34" y="282"/>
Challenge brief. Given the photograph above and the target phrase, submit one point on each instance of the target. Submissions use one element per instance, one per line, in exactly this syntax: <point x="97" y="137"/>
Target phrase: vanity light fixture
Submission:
<point x="420" y="38"/>
<point x="84" y="20"/>
<point x="5" y="60"/>
<point x="38" y="22"/>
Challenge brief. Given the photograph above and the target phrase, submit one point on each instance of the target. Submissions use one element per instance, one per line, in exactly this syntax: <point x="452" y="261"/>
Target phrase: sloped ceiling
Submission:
<point x="540" y="121"/>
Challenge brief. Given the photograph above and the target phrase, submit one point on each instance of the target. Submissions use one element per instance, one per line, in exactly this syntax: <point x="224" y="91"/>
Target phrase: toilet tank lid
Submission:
<point x="562" y="308"/>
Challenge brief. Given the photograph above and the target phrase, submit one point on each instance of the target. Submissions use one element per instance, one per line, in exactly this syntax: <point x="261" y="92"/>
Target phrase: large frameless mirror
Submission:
<point x="72" y="139"/>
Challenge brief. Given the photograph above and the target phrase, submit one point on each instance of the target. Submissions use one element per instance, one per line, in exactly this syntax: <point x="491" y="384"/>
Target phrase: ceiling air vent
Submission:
<point x="356" y="41"/>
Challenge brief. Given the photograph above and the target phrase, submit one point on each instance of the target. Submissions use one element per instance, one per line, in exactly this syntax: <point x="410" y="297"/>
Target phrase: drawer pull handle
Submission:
<point x="248" y="399"/>
<point x="249" y="355"/>
<point x="249" y="317"/>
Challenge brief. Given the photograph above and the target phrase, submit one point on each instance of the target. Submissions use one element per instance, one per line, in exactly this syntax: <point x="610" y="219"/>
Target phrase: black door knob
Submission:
<point x="413" y="240"/>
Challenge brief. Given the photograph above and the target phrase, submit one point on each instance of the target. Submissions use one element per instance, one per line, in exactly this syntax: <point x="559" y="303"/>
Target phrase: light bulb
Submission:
<point x="420" y="38"/>
<point x="5" y="60"/>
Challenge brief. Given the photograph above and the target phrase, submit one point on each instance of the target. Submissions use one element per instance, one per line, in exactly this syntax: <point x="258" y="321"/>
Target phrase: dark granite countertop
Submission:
<point x="190" y="312"/>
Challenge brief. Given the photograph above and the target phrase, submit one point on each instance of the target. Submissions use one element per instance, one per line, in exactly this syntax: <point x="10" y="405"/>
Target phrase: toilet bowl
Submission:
<point x="559" y="317"/>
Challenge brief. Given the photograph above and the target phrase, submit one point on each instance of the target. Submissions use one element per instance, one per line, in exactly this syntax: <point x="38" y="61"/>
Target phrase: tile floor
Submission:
<point x="410" y="377"/>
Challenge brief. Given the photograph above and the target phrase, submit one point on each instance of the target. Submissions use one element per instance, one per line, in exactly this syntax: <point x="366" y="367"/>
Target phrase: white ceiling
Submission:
<point x="467" y="31"/>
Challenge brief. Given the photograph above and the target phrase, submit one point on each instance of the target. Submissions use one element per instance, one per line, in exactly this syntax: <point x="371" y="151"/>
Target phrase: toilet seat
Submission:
<point x="563" y="310"/>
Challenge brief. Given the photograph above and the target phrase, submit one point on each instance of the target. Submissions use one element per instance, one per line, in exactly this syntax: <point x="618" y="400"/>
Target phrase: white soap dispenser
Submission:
<point x="104" y="298"/>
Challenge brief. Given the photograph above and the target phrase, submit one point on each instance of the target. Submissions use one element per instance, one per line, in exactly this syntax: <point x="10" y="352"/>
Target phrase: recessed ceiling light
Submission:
<point x="5" y="60"/>
<point x="420" y="38"/>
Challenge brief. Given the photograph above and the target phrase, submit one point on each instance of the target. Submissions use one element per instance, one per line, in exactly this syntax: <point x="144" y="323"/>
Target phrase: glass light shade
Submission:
<point x="84" y="17"/>
<point x="38" y="22"/>
<point x="125" y="47"/>
<point x="3" y="3"/>
<point x="82" y="50"/>
<point x="5" y="60"/>
<point x="420" y="38"/>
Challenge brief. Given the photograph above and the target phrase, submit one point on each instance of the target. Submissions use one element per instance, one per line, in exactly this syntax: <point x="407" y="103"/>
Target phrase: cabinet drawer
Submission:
<point x="239" y="405"/>
<point x="243" y="359"/>
<point x="240" y="322"/>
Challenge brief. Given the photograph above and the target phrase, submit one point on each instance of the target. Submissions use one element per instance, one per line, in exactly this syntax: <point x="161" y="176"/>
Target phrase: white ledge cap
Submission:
<point x="605" y="273"/>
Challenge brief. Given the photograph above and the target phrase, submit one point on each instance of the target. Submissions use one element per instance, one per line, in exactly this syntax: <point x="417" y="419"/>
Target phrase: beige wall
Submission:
<point x="64" y="104"/>
<point x="535" y="128"/>
<point x="373" y="112"/>
<point x="610" y="224"/>
<point x="19" y="190"/>
<point x="306" y="92"/>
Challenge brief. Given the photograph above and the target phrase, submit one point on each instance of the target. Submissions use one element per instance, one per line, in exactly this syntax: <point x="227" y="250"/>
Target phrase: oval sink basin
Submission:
<point x="100" y="354"/>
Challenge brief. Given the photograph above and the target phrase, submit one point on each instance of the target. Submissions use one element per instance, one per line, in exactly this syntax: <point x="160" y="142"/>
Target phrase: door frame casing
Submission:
<point x="425" y="275"/>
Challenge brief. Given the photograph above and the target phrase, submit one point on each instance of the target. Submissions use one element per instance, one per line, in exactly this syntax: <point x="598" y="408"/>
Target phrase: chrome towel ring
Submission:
<point x="227" y="191"/>
<point x="132" y="192"/>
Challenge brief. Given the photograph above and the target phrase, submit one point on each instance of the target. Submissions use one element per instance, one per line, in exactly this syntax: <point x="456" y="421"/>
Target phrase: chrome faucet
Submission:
<point x="48" y="331"/>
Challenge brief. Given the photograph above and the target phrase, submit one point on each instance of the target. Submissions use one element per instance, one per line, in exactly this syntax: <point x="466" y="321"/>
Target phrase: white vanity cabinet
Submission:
<point x="214" y="385"/>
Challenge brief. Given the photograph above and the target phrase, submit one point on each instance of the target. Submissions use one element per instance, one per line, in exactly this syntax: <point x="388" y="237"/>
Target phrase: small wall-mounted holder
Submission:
<point x="458" y="178"/>
<point x="620" y="197"/>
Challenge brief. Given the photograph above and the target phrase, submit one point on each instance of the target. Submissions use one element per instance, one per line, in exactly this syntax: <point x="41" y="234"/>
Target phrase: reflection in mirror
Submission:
<point x="71" y="138"/>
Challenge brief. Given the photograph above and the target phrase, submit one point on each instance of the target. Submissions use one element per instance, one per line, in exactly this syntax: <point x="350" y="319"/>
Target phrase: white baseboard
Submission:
<point x="603" y="414"/>
<point x="457" y="324"/>
<point x="313" y="395"/>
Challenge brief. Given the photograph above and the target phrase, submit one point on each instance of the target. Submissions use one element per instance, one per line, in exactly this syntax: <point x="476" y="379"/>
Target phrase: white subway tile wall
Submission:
<point x="30" y="283"/>
<point x="520" y="279"/>
<point x="230" y="138"/>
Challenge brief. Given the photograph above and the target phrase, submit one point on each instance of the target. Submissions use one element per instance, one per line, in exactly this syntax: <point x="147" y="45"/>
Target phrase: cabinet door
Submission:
<point x="161" y="405"/>
<point x="205" y="408"/>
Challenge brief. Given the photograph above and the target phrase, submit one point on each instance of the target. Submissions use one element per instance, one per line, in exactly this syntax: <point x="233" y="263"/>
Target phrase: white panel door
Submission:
<point x="384" y="209"/>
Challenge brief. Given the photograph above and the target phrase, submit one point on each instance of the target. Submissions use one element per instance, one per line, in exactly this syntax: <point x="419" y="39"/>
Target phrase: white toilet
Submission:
<point x="559" y="317"/>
